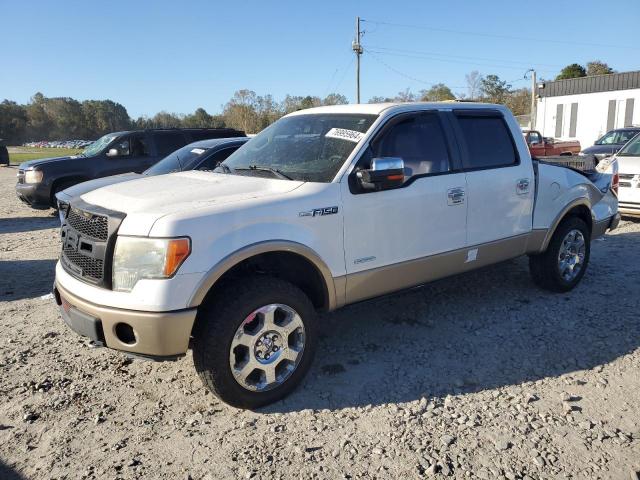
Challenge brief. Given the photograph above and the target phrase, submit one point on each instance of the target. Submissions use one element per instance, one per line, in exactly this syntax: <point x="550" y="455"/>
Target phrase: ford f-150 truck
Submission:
<point x="326" y="207"/>
<point x="540" y="146"/>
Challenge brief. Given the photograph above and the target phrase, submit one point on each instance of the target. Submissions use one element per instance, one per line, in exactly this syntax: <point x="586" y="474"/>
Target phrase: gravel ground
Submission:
<point x="478" y="376"/>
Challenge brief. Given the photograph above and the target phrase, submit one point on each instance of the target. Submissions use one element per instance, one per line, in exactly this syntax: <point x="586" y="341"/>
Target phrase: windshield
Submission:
<point x="181" y="159"/>
<point x="97" y="146"/>
<point x="308" y="147"/>
<point x="631" y="149"/>
<point x="616" y="137"/>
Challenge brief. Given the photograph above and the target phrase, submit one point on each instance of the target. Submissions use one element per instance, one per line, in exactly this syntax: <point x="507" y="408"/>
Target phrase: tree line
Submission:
<point x="64" y="118"/>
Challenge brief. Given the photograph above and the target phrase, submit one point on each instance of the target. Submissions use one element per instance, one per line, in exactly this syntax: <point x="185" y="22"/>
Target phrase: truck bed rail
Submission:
<point x="585" y="163"/>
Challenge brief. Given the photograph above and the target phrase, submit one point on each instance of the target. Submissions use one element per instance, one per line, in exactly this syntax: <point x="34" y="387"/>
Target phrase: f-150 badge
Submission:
<point x="318" y="212"/>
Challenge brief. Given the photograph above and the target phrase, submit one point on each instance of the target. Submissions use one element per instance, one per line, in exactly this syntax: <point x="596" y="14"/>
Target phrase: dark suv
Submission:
<point x="119" y="152"/>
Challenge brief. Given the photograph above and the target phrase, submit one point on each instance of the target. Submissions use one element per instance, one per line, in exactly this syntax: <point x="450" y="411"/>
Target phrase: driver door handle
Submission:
<point x="455" y="196"/>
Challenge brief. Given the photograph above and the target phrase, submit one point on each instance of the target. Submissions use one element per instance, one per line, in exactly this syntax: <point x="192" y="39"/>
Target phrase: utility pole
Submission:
<point x="533" y="99"/>
<point x="357" y="48"/>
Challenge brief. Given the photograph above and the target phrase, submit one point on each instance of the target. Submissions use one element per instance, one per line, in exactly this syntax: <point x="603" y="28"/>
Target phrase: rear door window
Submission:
<point x="167" y="142"/>
<point x="487" y="141"/>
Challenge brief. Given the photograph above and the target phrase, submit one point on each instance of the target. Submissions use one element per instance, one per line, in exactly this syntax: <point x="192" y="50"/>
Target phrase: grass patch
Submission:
<point x="17" y="155"/>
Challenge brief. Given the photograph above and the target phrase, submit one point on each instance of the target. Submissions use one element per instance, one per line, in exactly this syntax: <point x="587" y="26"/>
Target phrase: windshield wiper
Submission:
<point x="261" y="168"/>
<point x="225" y="168"/>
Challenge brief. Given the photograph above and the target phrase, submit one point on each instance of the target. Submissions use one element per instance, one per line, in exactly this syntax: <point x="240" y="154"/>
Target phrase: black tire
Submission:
<point x="220" y="317"/>
<point x="544" y="267"/>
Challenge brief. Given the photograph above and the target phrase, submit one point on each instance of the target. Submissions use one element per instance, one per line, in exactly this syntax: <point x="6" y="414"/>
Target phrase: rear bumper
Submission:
<point x="608" y="224"/>
<point x="36" y="195"/>
<point x="157" y="335"/>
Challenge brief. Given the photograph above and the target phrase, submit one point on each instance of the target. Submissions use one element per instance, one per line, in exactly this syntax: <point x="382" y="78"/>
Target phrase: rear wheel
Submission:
<point x="255" y="341"/>
<point x="561" y="267"/>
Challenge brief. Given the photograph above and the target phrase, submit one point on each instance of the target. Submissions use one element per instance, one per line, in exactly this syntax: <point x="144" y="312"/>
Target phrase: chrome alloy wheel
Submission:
<point x="571" y="255"/>
<point x="267" y="347"/>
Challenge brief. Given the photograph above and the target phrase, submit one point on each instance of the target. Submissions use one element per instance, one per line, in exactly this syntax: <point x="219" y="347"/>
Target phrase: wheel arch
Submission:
<point x="67" y="182"/>
<point x="580" y="208"/>
<point x="285" y="259"/>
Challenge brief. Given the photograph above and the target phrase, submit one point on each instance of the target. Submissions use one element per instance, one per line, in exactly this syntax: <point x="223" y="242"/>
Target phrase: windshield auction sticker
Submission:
<point x="345" y="134"/>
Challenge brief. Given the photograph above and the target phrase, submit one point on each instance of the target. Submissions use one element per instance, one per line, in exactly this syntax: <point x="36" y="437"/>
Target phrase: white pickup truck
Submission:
<point x="326" y="207"/>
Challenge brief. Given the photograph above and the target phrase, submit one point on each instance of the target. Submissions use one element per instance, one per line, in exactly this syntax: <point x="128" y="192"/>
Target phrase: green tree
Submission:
<point x="379" y="99"/>
<point x="13" y="123"/>
<point x="572" y="71"/>
<point x="596" y="67"/>
<point x="519" y="101"/>
<point x="165" y="119"/>
<point x="438" y="93"/>
<point x="198" y="119"/>
<point x="493" y="89"/>
<point x="335" y="99"/>
<point x="39" y="124"/>
<point x="405" y="96"/>
<point x="104" y="116"/>
<point x="241" y="111"/>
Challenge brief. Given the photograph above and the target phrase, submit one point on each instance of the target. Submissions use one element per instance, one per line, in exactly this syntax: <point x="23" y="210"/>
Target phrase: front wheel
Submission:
<point x="255" y="341"/>
<point x="561" y="267"/>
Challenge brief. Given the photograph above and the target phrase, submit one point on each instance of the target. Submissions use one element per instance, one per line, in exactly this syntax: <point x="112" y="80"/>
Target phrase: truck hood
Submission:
<point x="43" y="161"/>
<point x="147" y="199"/>
<point x="628" y="165"/>
<point x="84" y="187"/>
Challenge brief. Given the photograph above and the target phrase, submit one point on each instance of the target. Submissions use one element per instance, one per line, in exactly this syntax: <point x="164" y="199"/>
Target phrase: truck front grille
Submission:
<point x="86" y="223"/>
<point x="90" y="267"/>
<point x="88" y="237"/>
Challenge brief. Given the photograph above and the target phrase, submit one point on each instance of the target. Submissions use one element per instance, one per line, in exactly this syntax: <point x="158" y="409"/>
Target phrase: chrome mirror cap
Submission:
<point x="387" y="163"/>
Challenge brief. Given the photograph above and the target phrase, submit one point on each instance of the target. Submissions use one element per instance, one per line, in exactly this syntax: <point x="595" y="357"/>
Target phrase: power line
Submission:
<point x="495" y="35"/>
<point x="398" y="72"/>
<point x="332" y="82"/>
<point x="425" y="57"/>
<point x="344" y="74"/>
<point x="402" y="50"/>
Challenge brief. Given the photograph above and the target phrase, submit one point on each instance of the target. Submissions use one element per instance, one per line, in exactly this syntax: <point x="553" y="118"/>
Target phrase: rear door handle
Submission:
<point x="522" y="186"/>
<point x="455" y="196"/>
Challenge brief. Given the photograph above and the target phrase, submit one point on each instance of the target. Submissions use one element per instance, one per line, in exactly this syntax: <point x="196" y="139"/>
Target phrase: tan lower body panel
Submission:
<point x="391" y="278"/>
<point x="157" y="334"/>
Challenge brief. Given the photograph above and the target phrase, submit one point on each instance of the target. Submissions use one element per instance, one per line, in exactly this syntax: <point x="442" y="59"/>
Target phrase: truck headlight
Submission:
<point x="136" y="258"/>
<point x="33" y="176"/>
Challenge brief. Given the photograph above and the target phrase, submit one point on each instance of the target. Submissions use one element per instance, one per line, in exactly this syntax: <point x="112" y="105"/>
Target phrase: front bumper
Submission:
<point x="36" y="195"/>
<point x="630" y="209"/>
<point x="158" y="335"/>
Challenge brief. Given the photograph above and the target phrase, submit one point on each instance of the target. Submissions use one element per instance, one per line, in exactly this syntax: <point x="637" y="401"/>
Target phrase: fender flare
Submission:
<point x="582" y="201"/>
<point x="233" y="259"/>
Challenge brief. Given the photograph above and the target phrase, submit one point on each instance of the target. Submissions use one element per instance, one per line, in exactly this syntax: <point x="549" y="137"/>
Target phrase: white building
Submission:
<point x="586" y="108"/>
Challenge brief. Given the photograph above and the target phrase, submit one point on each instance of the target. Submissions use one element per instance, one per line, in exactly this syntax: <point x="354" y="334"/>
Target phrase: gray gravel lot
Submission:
<point x="478" y="376"/>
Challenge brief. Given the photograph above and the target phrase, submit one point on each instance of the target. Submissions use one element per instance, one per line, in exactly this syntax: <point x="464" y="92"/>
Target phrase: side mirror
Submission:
<point x="113" y="152"/>
<point x="385" y="173"/>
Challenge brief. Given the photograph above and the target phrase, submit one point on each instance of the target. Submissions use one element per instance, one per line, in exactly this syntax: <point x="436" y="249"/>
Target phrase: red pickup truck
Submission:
<point x="540" y="146"/>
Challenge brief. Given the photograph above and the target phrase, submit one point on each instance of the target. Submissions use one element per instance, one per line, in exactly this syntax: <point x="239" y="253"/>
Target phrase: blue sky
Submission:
<point x="178" y="56"/>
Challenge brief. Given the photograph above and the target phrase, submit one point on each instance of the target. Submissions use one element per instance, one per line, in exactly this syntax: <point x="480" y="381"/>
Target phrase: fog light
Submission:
<point x="125" y="333"/>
